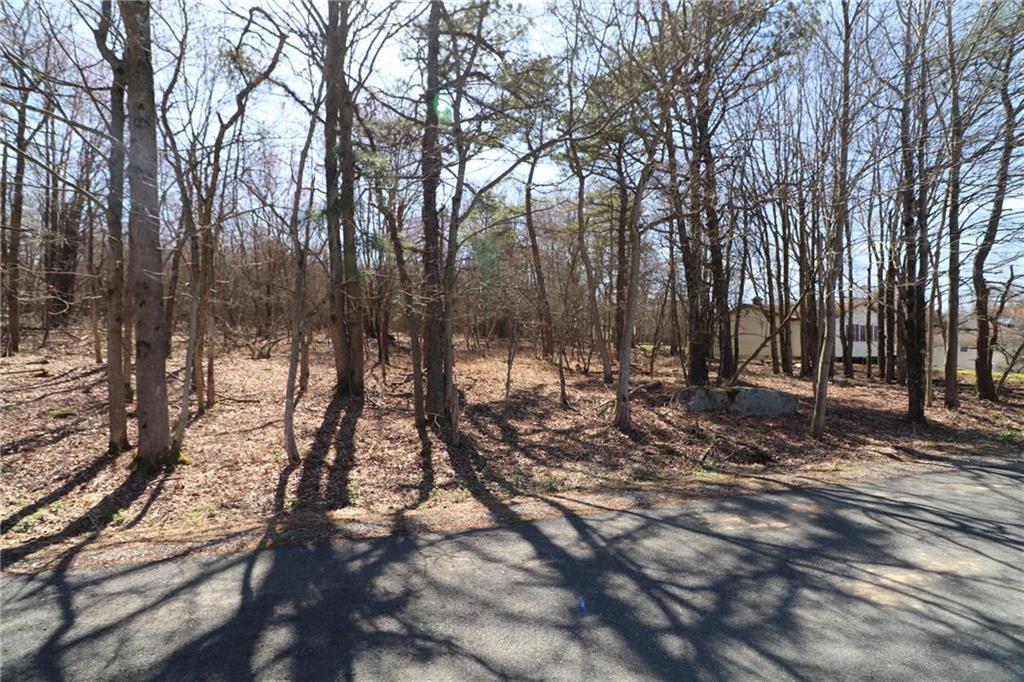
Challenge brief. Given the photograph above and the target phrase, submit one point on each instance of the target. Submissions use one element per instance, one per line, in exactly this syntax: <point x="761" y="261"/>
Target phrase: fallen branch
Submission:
<point x="778" y="329"/>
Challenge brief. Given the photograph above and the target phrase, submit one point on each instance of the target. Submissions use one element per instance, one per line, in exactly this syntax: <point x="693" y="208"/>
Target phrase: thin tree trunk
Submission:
<point x="172" y="289"/>
<point x="581" y="237"/>
<point x="674" y="330"/>
<point x="657" y="330"/>
<point x="839" y="219"/>
<point x="739" y="303"/>
<point x="983" y="361"/>
<point x="94" y="294"/>
<point x="622" y="411"/>
<point x="848" y="343"/>
<point x="1009" y="367"/>
<point x="956" y="140"/>
<point x="353" y="298"/>
<point x="913" y="233"/>
<point x="509" y="359"/>
<point x="433" y="320"/>
<point x="307" y="341"/>
<point x="543" y="308"/>
<point x="178" y="432"/>
<point x="622" y="408"/>
<point x="12" y="263"/>
<point x="298" y="297"/>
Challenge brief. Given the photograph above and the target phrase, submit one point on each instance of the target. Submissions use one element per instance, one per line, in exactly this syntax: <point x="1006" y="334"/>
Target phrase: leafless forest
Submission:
<point x="394" y="229"/>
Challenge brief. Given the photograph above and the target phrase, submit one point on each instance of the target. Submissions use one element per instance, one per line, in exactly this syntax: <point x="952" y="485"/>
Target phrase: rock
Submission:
<point x="763" y="402"/>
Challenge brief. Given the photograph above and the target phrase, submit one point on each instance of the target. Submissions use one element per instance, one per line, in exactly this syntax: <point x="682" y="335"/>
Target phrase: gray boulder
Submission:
<point x="763" y="402"/>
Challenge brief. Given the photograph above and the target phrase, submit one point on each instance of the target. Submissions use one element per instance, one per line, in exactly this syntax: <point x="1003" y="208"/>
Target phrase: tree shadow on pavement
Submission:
<point x="808" y="584"/>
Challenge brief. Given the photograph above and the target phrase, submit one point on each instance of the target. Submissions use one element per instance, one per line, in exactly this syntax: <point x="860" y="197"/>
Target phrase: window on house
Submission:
<point x="963" y="349"/>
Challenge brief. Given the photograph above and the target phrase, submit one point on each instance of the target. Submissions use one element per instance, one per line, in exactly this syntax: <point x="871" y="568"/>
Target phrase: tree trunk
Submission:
<point x="334" y="73"/>
<point x="543" y="308"/>
<point x="307" y="341"/>
<point x="411" y="318"/>
<point x="848" y="335"/>
<point x="12" y="261"/>
<point x="809" y="308"/>
<point x="983" y="361"/>
<point x="890" y="319"/>
<point x="434" y="318"/>
<point x="770" y="312"/>
<point x="622" y="261"/>
<point x="117" y="417"/>
<point x="956" y="141"/>
<point x="172" y="290"/>
<point x="912" y="226"/>
<point x="144" y="228"/>
<point x="352" y="289"/>
<point x="178" y="433"/>
<point x="739" y="305"/>
<point x="509" y="359"/>
<point x="782" y="278"/>
<point x="298" y="297"/>
<point x="622" y="411"/>
<point x="840" y="215"/>
<point x="674" y="330"/>
<point x="588" y="268"/>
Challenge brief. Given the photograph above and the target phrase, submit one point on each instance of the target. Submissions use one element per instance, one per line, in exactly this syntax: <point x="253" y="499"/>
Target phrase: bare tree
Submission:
<point x="144" y="228"/>
<point x="116" y="395"/>
<point x="1011" y="110"/>
<point x="346" y="309"/>
<point x="837" y="229"/>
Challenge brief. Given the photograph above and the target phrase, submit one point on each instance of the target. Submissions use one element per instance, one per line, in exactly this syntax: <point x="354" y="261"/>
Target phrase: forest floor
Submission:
<point x="366" y="471"/>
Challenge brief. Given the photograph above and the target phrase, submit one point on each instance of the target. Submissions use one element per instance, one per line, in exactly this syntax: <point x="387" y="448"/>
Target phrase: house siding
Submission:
<point x="753" y="328"/>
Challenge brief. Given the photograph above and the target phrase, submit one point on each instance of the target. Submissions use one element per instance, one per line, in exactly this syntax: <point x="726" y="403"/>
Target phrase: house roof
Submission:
<point x="761" y="309"/>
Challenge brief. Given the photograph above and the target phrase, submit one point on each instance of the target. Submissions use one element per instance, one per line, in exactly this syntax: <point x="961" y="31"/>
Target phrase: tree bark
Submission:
<point x="839" y="218"/>
<point x="298" y="296"/>
<point x="543" y="308"/>
<point x="144" y="228"/>
<point x="622" y="408"/>
<point x="956" y="141"/>
<point x="434" y="318"/>
<point x="913" y="232"/>
<point x="983" y="361"/>
<point x="12" y="262"/>
<point x="352" y="383"/>
<point x="588" y="268"/>
<point x="116" y="413"/>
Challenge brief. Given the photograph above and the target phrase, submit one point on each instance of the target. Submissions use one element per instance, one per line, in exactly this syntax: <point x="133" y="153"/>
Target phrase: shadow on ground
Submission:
<point x="909" y="578"/>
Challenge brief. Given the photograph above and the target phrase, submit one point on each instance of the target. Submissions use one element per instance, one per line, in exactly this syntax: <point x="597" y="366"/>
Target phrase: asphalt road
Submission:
<point x="918" y="578"/>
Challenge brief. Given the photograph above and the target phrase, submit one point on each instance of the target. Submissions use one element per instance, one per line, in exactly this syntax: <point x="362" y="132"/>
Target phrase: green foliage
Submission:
<point x="374" y="164"/>
<point x="29" y="522"/>
<point x="26" y="524"/>
<point x="1012" y="435"/>
<point x="489" y="253"/>
<point x="210" y="513"/>
<point x="551" y="484"/>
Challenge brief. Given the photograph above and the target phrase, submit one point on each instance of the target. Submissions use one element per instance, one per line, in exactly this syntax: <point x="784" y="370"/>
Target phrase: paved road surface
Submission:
<point x="917" y="578"/>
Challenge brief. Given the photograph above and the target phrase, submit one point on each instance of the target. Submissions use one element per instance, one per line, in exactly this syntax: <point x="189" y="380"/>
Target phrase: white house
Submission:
<point x="753" y="328"/>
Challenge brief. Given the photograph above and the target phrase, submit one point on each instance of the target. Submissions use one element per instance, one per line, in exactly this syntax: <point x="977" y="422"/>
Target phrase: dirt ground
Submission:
<point x="367" y="471"/>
